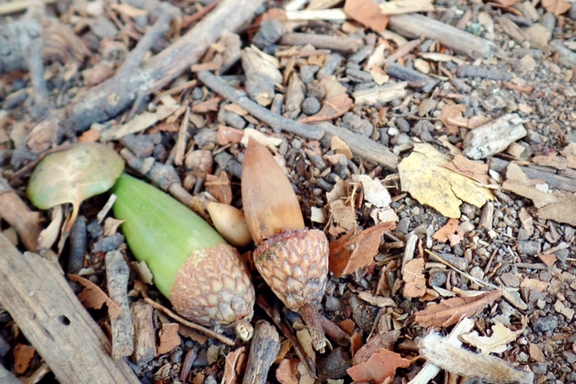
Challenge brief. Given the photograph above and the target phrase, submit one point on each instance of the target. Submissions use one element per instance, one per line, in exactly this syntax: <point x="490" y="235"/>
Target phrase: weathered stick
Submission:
<point x="144" y="333"/>
<point x="263" y="351"/>
<point x="414" y="26"/>
<point x="336" y="43"/>
<point x="44" y="307"/>
<point x="118" y="93"/>
<point x="117" y="274"/>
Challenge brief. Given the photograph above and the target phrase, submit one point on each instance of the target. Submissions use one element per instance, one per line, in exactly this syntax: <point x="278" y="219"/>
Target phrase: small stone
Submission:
<point x="538" y="36"/>
<point x="332" y="304"/>
<point x="310" y="106"/>
<point x="270" y="31"/>
<point x="108" y="243"/>
<point x="437" y="278"/>
<point x="539" y="368"/>
<point x="459" y="262"/>
<point x="426" y="106"/>
<point x="94" y="229"/>
<point x="403" y="226"/>
<point x="104" y="28"/>
<point x="569" y="356"/>
<point x="510" y="279"/>
<point x="544" y="324"/>
<point x="529" y="248"/>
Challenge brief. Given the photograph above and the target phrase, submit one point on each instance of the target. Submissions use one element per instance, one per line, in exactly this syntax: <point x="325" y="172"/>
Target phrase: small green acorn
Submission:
<point x="193" y="266"/>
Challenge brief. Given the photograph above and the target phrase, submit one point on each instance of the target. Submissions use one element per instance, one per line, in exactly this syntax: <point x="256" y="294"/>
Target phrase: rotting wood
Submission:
<point x="263" y="351"/>
<point x="414" y="26"/>
<point x="335" y="43"/>
<point x="113" y="96"/>
<point x="117" y="274"/>
<point x="551" y="178"/>
<point x="144" y="333"/>
<point x="48" y="313"/>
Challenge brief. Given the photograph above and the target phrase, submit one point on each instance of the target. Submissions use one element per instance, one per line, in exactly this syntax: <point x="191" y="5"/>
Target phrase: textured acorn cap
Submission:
<point x="213" y="287"/>
<point x="295" y="265"/>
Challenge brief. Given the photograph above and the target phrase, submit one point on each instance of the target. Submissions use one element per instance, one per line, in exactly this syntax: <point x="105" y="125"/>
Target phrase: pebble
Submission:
<point x="330" y="65"/>
<point x="108" y="243"/>
<point x="529" y="248"/>
<point x="310" y="106"/>
<point x="437" y="278"/>
<point x="510" y="279"/>
<point x="569" y="356"/>
<point x="94" y="229"/>
<point x="572" y="12"/>
<point x="539" y="368"/>
<point x="104" y="28"/>
<point x="332" y="304"/>
<point x="544" y="324"/>
<point x="403" y="226"/>
<point x="307" y="73"/>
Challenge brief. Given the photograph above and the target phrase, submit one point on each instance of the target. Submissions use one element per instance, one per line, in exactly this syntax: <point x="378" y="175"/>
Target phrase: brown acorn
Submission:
<point x="292" y="259"/>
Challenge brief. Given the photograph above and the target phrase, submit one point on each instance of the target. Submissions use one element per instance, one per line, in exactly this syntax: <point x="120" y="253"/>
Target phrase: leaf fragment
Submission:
<point x="497" y="342"/>
<point x="414" y="278"/>
<point x="379" y="367"/>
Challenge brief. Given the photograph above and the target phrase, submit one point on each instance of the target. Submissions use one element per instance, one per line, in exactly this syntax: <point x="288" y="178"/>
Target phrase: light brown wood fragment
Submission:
<point x="336" y="43"/>
<point x="117" y="274"/>
<point x="487" y="216"/>
<point x="48" y="313"/>
<point x="263" y="350"/>
<point x="294" y="96"/>
<point x="144" y="334"/>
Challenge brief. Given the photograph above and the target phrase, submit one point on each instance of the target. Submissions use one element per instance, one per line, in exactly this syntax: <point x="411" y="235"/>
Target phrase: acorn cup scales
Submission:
<point x="292" y="259"/>
<point x="193" y="266"/>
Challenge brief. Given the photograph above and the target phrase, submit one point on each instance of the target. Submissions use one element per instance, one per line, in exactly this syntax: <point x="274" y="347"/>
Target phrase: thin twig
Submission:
<point x="189" y="324"/>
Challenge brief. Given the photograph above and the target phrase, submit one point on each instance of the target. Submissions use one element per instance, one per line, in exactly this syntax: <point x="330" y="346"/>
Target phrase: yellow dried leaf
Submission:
<point x="425" y="176"/>
<point x="496" y="343"/>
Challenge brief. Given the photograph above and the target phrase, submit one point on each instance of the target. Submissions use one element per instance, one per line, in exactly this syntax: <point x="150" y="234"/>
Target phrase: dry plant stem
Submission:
<point x="414" y="26"/>
<point x="275" y="121"/>
<point x="263" y="351"/>
<point x="44" y="307"/>
<point x="311" y="317"/>
<point x="334" y="332"/>
<point x="117" y="274"/>
<point x="403" y="50"/>
<point x="336" y="43"/>
<point x="187" y="364"/>
<point x="189" y="324"/>
<point x="144" y="333"/>
<point x="116" y="94"/>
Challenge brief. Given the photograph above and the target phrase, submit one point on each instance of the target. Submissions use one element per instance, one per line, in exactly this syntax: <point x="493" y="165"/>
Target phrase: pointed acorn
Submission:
<point x="203" y="276"/>
<point x="292" y="259"/>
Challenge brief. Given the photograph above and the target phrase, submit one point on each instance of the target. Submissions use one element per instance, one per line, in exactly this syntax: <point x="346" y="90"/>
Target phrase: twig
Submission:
<point x="190" y="324"/>
<point x="275" y="121"/>
<point x="144" y="333"/>
<point x="470" y="277"/>
<point x="117" y="274"/>
<point x="198" y="15"/>
<point x="180" y="146"/>
<point x="403" y="50"/>
<point x="263" y="351"/>
<point x="336" y="43"/>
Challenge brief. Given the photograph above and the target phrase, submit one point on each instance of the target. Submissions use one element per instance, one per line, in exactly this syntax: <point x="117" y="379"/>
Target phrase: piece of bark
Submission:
<point x="566" y="57"/>
<point x="187" y="364"/>
<point x="294" y="96"/>
<point x="6" y="377"/>
<point x="381" y="94"/>
<point x="511" y="29"/>
<point x="117" y="274"/>
<point x="414" y="26"/>
<point x="263" y="351"/>
<point x="110" y="98"/>
<point x="16" y="213"/>
<point x="416" y="79"/>
<point x="261" y="75"/>
<point x="494" y="137"/>
<point x="144" y="333"/>
<point x="78" y="240"/>
<point x="334" y="332"/>
<point x="362" y="146"/>
<point x="336" y="43"/>
<point x="276" y="122"/>
<point x="553" y="180"/>
<point x="48" y="313"/>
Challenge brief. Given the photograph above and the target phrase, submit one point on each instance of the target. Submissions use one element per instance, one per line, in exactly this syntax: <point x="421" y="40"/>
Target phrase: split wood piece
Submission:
<point x="273" y="120"/>
<point x="566" y="57"/>
<point x="493" y="137"/>
<point x="110" y="98"/>
<point x="380" y="94"/>
<point x="48" y="313"/>
<point x="117" y="274"/>
<point x="262" y="75"/>
<point x="414" y="26"/>
<point x="263" y="351"/>
<point x="334" y="332"/>
<point x="6" y="377"/>
<point x="553" y="180"/>
<point x="16" y="213"/>
<point x="335" y="43"/>
<point x="362" y="146"/>
<point x="511" y="29"/>
<point x="416" y="79"/>
<point x="294" y="96"/>
<point x="144" y="333"/>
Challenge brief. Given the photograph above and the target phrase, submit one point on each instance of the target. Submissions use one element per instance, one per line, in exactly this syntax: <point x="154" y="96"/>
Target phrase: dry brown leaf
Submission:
<point x="414" y="279"/>
<point x="449" y="312"/>
<point x="558" y="206"/>
<point x="425" y="176"/>
<point x="451" y="116"/>
<point x="557" y="7"/>
<point x="93" y="297"/>
<point x="553" y="161"/>
<point x="368" y="13"/>
<point x="475" y="170"/>
<point x="227" y="135"/>
<point x="210" y="105"/>
<point x="341" y="147"/>
<point x="287" y="371"/>
<point x="234" y="366"/>
<point x="23" y="355"/>
<point x="443" y="234"/>
<point x="379" y="367"/>
<point x="219" y="187"/>
<point x="384" y="340"/>
<point x="332" y="108"/>
<point x="343" y="215"/>
<point x="357" y="252"/>
<point x="111" y="226"/>
<point x="497" y="341"/>
<point x="377" y="301"/>
<point x="169" y="338"/>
